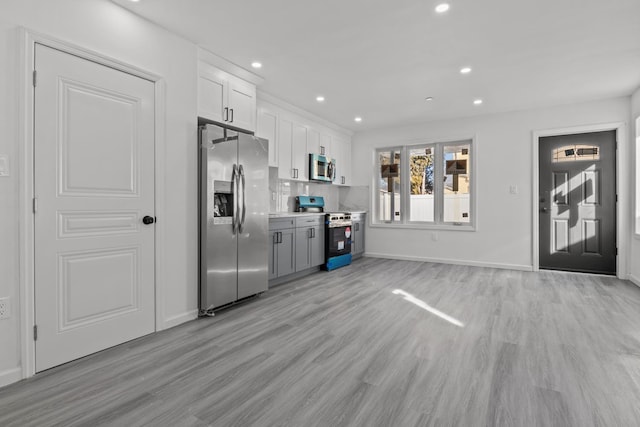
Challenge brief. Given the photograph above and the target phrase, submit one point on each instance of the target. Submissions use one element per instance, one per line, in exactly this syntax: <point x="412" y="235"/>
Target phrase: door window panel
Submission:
<point x="575" y="153"/>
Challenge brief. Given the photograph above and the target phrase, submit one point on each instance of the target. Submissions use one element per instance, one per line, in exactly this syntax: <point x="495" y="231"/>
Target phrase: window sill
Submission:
<point x="444" y="227"/>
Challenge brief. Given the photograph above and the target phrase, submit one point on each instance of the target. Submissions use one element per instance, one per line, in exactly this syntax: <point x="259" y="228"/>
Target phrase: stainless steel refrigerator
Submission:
<point x="234" y="216"/>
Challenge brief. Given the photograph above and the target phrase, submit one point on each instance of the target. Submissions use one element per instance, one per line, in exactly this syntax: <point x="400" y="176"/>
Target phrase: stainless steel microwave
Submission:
<point x="321" y="168"/>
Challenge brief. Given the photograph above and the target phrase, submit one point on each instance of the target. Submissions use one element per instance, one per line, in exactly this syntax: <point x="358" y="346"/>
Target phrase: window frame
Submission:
<point x="405" y="184"/>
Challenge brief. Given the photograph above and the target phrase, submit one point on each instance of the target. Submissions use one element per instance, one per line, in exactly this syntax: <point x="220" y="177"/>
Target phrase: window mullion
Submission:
<point x="438" y="172"/>
<point x="406" y="185"/>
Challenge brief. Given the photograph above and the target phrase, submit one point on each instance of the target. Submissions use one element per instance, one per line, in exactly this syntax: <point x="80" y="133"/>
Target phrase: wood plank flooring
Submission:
<point x="344" y="349"/>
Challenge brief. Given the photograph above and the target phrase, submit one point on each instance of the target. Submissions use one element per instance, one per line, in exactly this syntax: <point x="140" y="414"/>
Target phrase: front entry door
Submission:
<point x="578" y="202"/>
<point x="93" y="184"/>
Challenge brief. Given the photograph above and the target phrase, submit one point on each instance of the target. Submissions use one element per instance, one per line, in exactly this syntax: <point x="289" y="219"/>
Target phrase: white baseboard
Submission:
<point x="452" y="261"/>
<point x="179" y="319"/>
<point x="634" y="279"/>
<point x="10" y="376"/>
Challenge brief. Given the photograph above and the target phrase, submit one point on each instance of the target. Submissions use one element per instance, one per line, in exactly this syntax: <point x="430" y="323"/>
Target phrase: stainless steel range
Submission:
<point x="338" y="229"/>
<point x="337" y="245"/>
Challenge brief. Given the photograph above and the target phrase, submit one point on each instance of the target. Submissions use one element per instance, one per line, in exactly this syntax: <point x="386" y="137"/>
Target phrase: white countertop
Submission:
<point x="289" y="214"/>
<point x="297" y="214"/>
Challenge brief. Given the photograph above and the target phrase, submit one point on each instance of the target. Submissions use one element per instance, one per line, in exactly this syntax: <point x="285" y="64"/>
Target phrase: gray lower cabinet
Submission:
<point x="309" y="242"/>
<point x="357" y="240"/>
<point x="297" y="244"/>
<point x="282" y="253"/>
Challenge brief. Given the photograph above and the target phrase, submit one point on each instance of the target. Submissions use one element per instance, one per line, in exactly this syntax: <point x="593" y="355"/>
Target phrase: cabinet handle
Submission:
<point x="357" y="226"/>
<point x="310" y="233"/>
<point x="280" y="234"/>
<point x="231" y="121"/>
<point x="226" y="114"/>
<point x="275" y="238"/>
<point x="322" y="150"/>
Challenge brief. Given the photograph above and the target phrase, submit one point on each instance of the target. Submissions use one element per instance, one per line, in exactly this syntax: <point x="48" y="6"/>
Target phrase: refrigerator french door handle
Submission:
<point x="234" y="188"/>
<point x="244" y="199"/>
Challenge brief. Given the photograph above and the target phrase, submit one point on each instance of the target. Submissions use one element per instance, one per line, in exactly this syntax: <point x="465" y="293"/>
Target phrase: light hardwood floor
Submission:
<point x="342" y="348"/>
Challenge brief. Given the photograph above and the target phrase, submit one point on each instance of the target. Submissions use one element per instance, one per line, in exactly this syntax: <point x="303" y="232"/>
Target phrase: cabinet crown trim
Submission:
<point x="227" y="66"/>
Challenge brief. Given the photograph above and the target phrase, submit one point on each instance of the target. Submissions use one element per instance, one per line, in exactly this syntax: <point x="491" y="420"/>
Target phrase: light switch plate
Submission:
<point x="4" y="165"/>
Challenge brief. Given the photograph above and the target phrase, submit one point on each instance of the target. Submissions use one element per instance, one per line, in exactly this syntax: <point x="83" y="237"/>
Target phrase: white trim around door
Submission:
<point x="28" y="40"/>
<point x="622" y="189"/>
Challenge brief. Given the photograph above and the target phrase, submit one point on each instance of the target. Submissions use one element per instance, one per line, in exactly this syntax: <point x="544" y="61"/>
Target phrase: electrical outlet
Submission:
<point x="5" y="308"/>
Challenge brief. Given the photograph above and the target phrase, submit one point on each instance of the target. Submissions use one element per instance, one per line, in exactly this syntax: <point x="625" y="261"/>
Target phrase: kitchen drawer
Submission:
<point x="309" y="221"/>
<point x="282" y="223"/>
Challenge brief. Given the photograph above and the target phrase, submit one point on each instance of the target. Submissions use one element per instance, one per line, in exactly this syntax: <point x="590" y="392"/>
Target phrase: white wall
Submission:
<point x="503" y="149"/>
<point x="634" y="273"/>
<point x="107" y="29"/>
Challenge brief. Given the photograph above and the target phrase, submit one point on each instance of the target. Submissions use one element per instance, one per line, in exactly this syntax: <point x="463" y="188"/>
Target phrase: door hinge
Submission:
<point x="35" y="332"/>
<point x="35" y="204"/>
<point x="35" y="78"/>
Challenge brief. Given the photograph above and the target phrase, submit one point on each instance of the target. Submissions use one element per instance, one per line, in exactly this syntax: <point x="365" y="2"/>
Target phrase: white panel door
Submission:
<point x="94" y="183"/>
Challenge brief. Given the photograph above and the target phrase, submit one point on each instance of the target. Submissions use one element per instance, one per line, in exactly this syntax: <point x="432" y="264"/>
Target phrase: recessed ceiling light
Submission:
<point x="442" y="7"/>
<point x="477" y="101"/>
<point x="320" y="98"/>
<point x="429" y="98"/>
<point x="256" y="64"/>
<point x="135" y="1"/>
<point x="465" y="70"/>
<point x="358" y="119"/>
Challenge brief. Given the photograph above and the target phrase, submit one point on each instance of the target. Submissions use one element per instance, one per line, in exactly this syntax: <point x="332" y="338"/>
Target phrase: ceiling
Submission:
<point x="380" y="59"/>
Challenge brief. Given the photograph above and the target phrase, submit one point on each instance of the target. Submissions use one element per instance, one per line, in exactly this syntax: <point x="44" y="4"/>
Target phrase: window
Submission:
<point x="389" y="185"/>
<point x="408" y="189"/>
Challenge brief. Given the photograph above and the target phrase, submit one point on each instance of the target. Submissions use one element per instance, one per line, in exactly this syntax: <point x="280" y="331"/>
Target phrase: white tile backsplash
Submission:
<point x="353" y="198"/>
<point x="286" y="192"/>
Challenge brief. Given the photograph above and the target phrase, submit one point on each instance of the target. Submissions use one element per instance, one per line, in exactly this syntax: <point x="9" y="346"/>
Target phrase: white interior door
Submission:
<point x="94" y="183"/>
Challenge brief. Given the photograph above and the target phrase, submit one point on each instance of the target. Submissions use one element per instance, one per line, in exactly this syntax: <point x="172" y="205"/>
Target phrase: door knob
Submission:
<point x="544" y="210"/>
<point x="148" y="220"/>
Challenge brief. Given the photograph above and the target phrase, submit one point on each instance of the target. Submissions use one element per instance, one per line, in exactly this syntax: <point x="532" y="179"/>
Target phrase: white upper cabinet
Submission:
<point x="292" y="149"/>
<point x="325" y="144"/>
<point x="268" y="127"/>
<point x="313" y="141"/>
<point x="299" y="155"/>
<point x="285" y="144"/>
<point x="341" y="152"/>
<point x="293" y="137"/>
<point x="226" y="99"/>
